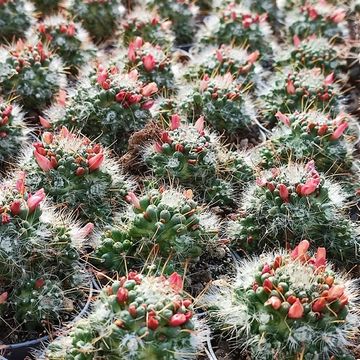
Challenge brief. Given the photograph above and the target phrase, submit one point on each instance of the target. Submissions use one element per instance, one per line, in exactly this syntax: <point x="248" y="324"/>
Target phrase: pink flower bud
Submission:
<point x="15" y="207"/>
<point x="283" y="118"/>
<point x="309" y="187"/>
<point x="47" y="137"/>
<point x="273" y="301"/>
<point x="339" y="131"/>
<point x="157" y="147"/>
<point x="290" y="88"/>
<point x="86" y="230"/>
<point x="149" y="89"/>
<point x="204" y="83"/>
<point x="149" y="62"/>
<point x="253" y="56"/>
<point x="96" y="161"/>
<point x="138" y="42"/>
<point x="296" y="310"/>
<point x="152" y="323"/>
<point x="312" y="13"/>
<point x="296" y="41"/>
<point x="132" y="52"/>
<point x="71" y="30"/>
<point x="338" y="16"/>
<point x="284" y="192"/>
<point x="3" y="297"/>
<point x="147" y="105"/>
<point x="322" y="130"/>
<point x="176" y="282"/>
<point x="120" y="96"/>
<point x="175" y="122"/>
<point x="199" y="125"/>
<point x="219" y="55"/>
<point x="177" y="320"/>
<point x="320" y="259"/>
<point x="335" y="292"/>
<point x="102" y="76"/>
<point x="300" y="250"/>
<point x="44" y="163"/>
<point x="329" y="79"/>
<point x="34" y="200"/>
<point x="133" y="199"/>
<point x="44" y="123"/>
<point x="20" y="183"/>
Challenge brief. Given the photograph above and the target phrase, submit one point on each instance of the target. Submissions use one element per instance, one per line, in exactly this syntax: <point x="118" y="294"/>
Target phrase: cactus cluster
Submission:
<point x="39" y="254"/>
<point x="136" y="317"/>
<point x="46" y="7"/>
<point x="163" y="223"/>
<point x="31" y="73"/>
<point x="292" y="202"/>
<point x="287" y="305"/>
<point x="77" y="174"/>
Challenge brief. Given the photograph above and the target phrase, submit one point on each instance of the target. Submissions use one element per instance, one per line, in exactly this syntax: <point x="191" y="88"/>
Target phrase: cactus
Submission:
<point x="311" y="135"/>
<point x="13" y="132"/>
<point x="291" y="203"/>
<point x="313" y="52"/>
<point x="287" y="305"/>
<point x="108" y="106"/>
<point x="317" y="18"/>
<point x="67" y="39"/>
<point x="39" y="251"/>
<point x="299" y="90"/>
<point x="194" y="156"/>
<point x="100" y="18"/>
<point x="152" y="63"/>
<point x="31" y="73"/>
<point x="15" y="18"/>
<point x="149" y="26"/>
<point x="77" y="174"/>
<point x="46" y="7"/>
<point x="135" y="318"/>
<point x="213" y="61"/>
<point x="182" y="15"/>
<point x="239" y="26"/>
<point x="223" y="102"/>
<point x="165" y="223"/>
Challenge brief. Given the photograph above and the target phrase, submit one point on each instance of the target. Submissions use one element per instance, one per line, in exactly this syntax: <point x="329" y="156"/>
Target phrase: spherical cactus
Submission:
<point x="77" y="174"/>
<point x="67" y="39"/>
<point x="39" y="252"/>
<point x="108" y="106"/>
<point x="99" y="17"/>
<point x="152" y="63"/>
<point x="311" y="135"/>
<point x="212" y="61"/>
<point x="46" y="7"/>
<point x="292" y="202"/>
<point x="31" y="73"/>
<point x="238" y="26"/>
<point x="136" y="317"/>
<point x="181" y="13"/>
<point x="15" y="19"/>
<point x="313" y="52"/>
<point x="297" y="90"/>
<point x="149" y="26"/>
<point x="287" y="306"/>
<point x="13" y="132"/>
<point x="223" y="102"/>
<point x="194" y="156"/>
<point x="166" y="223"/>
<point x="317" y="18"/>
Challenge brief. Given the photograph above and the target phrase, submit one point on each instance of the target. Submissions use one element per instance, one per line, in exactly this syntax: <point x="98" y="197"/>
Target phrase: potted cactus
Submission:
<point x="136" y="317"/>
<point x="77" y="174"/>
<point x="31" y="73"/>
<point x="287" y="305"/>
<point x="291" y="202"/>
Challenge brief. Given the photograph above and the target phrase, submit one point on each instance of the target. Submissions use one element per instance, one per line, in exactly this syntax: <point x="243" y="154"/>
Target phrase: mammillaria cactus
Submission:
<point x="214" y="61"/>
<point x="67" y="39"/>
<point x="108" y="106"/>
<point x="287" y="305"/>
<point x="15" y="19"/>
<point x="236" y="25"/>
<point x="135" y="318"/>
<point x="311" y="135"/>
<point x="182" y="15"/>
<point x="300" y="90"/>
<point x="48" y="6"/>
<point x="194" y="156"/>
<point x="152" y="63"/>
<point x="76" y="173"/>
<point x="39" y="255"/>
<point x="319" y="18"/>
<point x="223" y="102"/>
<point x="99" y="17"/>
<point x="166" y="223"/>
<point x="31" y="73"/>
<point x="13" y="132"/>
<point x="292" y="202"/>
<point x="149" y="26"/>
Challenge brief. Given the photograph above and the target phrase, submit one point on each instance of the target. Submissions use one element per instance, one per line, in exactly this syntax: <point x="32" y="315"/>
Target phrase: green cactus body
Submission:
<point x="68" y="40"/>
<point x="135" y="318"/>
<point x="48" y="6"/>
<point x="99" y="17"/>
<point x="169" y="223"/>
<point x="225" y="105"/>
<point x="292" y="202"/>
<point x="77" y="174"/>
<point x="152" y="63"/>
<point x="39" y="253"/>
<point x="13" y="132"/>
<point x="149" y="26"/>
<point x="300" y="90"/>
<point x="109" y="107"/>
<point x="31" y="73"/>
<point x="15" y="19"/>
<point x="287" y="305"/>
<point x="311" y="135"/>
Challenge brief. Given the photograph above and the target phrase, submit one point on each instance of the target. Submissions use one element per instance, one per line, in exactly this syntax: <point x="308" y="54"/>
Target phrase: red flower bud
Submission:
<point x="284" y="192"/>
<point x="319" y="305"/>
<point x="39" y="283"/>
<point x="152" y="323"/>
<point x="274" y="301"/>
<point x="296" y="310"/>
<point x="149" y="62"/>
<point x="95" y="162"/>
<point x="15" y="207"/>
<point x="122" y="295"/>
<point x="177" y="320"/>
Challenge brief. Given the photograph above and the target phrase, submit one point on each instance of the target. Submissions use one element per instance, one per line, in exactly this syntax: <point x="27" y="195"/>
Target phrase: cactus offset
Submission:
<point x="288" y="305"/>
<point x="290" y="203"/>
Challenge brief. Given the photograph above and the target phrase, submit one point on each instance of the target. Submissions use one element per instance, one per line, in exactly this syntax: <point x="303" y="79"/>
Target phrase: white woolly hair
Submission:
<point x="235" y="318"/>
